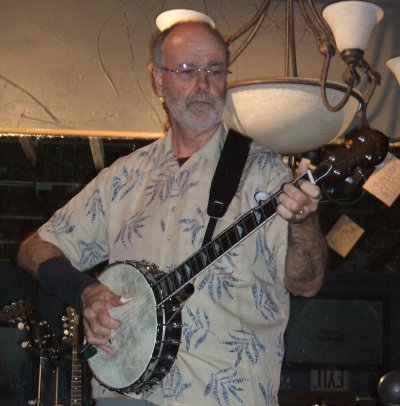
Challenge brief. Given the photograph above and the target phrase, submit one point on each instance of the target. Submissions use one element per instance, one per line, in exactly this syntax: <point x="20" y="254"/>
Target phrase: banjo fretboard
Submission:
<point x="183" y="274"/>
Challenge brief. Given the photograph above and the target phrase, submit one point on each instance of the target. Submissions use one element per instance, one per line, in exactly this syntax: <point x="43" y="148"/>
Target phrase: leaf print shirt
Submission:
<point x="146" y="206"/>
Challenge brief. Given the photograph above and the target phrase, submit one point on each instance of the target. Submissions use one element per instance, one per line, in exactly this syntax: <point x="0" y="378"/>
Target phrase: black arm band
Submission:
<point x="60" y="278"/>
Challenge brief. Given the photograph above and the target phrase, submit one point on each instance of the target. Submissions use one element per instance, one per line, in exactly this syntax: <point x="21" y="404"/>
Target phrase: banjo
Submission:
<point x="147" y="342"/>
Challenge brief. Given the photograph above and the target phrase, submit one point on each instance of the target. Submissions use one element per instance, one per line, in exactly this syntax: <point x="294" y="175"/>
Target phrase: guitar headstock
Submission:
<point x="16" y="312"/>
<point x="73" y="322"/>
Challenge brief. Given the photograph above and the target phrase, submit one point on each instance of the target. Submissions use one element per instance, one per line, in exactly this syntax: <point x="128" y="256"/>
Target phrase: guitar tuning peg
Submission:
<point x="21" y="325"/>
<point x="65" y="325"/>
<point x="66" y="332"/>
<point x="25" y="344"/>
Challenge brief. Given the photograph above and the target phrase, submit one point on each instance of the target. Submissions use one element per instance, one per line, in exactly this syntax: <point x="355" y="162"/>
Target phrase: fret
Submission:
<point x="204" y="258"/>
<point x="223" y="242"/>
<point x="248" y="222"/>
<point x="176" y="274"/>
<point x="218" y="250"/>
<point x="170" y="283"/>
<point x="212" y="251"/>
<point x="188" y="269"/>
<point x="198" y="261"/>
<point x="240" y="230"/>
<point x="258" y="217"/>
<point x="270" y="207"/>
<point x="232" y="236"/>
<point x="162" y="287"/>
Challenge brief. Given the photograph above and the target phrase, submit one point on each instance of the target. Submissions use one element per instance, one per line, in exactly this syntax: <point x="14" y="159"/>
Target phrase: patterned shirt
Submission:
<point x="146" y="206"/>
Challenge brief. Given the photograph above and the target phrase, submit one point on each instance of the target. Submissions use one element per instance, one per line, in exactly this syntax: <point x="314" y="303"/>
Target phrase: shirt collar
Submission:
<point x="211" y="151"/>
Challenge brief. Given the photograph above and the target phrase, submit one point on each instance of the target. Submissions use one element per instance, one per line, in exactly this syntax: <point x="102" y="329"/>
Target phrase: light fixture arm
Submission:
<point x="253" y="24"/>
<point x="354" y="58"/>
<point x="315" y="23"/>
<point x="323" y="80"/>
<point x="373" y="77"/>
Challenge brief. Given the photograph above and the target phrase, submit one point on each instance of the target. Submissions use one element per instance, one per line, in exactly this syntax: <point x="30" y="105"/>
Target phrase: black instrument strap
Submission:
<point x="226" y="178"/>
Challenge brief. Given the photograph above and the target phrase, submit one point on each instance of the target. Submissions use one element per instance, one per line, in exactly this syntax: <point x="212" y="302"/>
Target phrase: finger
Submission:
<point x="114" y="300"/>
<point x="285" y="213"/>
<point x="311" y="190"/>
<point x="95" y="333"/>
<point x="302" y="166"/>
<point x="293" y="198"/>
<point x="125" y="298"/>
<point x="107" y="348"/>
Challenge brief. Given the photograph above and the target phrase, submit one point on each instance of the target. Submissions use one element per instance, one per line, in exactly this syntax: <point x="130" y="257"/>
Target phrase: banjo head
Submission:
<point x="134" y="339"/>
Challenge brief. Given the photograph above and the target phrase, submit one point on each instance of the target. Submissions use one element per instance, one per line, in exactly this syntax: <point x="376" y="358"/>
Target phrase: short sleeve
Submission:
<point x="79" y="228"/>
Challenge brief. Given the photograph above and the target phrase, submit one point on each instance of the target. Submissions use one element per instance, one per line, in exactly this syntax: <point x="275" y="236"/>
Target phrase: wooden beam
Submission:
<point x="97" y="148"/>
<point x="29" y="146"/>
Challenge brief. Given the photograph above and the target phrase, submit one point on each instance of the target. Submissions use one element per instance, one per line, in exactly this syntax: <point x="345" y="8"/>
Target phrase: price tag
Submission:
<point x="384" y="183"/>
<point x="344" y="235"/>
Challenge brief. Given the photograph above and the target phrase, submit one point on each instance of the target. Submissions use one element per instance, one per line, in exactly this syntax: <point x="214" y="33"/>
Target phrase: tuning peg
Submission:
<point x="21" y="325"/>
<point x="25" y="344"/>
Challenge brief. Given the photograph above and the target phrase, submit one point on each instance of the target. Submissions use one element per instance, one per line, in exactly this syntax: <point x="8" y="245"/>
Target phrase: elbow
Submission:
<point x="305" y="289"/>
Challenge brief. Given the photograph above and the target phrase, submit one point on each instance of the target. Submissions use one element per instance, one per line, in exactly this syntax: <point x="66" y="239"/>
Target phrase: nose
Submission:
<point x="203" y="79"/>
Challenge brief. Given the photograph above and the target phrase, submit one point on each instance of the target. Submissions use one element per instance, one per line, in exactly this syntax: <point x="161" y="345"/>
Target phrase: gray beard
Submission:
<point x="196" y="116"/>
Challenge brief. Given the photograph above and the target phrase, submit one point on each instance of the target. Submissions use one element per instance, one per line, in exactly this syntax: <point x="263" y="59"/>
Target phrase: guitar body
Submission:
<point x="148" y="340"/>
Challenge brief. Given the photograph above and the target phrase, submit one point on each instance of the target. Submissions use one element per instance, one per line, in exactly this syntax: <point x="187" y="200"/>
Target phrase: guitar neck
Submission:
<point x="177" y="279"/>
<point x="76" y="364"/>
<point x="76" y="380"/>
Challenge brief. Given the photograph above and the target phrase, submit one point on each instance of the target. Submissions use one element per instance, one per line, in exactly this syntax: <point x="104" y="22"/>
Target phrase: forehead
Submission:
<point x="193" y="42"/>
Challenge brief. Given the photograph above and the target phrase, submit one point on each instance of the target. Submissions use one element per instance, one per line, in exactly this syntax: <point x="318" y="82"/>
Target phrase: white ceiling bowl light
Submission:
<point x="168" y="18"/>
<point x="394" y="65"/>
<point x="293" y="114"/>
<point x="287" y="114"/>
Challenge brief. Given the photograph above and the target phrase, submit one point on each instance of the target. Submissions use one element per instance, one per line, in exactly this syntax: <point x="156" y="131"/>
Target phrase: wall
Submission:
<point x="83" y="64"/>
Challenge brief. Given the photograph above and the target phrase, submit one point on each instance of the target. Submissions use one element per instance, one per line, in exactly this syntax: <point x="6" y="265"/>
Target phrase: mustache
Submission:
<point x="202" y="97"/>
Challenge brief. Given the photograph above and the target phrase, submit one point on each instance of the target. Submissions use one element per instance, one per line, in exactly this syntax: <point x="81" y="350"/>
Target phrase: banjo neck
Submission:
<point x="173" y="282"/>
<point x="365" y="150"/>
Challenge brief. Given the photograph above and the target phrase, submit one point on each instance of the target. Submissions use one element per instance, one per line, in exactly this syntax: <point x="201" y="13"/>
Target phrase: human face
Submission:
<point x="195" y="103"/>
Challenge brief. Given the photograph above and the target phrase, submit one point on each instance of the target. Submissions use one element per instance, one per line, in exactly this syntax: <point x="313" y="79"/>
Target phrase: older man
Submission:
<point x="153" y="204"/>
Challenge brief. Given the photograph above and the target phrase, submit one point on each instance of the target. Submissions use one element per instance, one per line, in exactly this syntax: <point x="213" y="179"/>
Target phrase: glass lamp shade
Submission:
<point x="287" y="114"/>
<point x="352" y="22"/>
<point x="394" y="65"/>
<point x="168" y="18"/>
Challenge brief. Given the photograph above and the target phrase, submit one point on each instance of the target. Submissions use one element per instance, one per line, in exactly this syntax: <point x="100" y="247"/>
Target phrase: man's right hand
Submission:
<point x="97" y="300"/>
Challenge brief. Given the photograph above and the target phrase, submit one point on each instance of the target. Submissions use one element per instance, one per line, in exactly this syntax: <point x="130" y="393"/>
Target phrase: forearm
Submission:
<point x="307" y="257"/>
<point x="34" y="251"/>
<point x="46" y="263"/>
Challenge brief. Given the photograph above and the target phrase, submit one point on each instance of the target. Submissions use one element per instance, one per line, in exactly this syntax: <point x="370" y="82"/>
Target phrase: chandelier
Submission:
<point x="290" y="113"/>
<point x="295" y="114"/>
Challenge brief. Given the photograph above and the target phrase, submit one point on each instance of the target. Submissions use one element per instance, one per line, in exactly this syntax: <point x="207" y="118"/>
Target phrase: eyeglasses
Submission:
<point x="188" y="71"/>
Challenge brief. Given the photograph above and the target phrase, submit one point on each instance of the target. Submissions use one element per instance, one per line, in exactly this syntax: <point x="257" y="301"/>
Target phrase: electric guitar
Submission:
<point x="147" y="343"/>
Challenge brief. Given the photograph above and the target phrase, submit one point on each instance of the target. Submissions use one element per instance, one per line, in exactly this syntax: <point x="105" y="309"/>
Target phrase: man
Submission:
<point x="153" y="203"/>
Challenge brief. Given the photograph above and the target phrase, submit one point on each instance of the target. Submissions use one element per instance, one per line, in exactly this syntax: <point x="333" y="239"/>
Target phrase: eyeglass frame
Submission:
<point x="196" y="71"/>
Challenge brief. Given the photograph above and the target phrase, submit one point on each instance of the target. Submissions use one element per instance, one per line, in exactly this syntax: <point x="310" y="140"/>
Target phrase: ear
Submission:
<point x="158" y="82"/>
